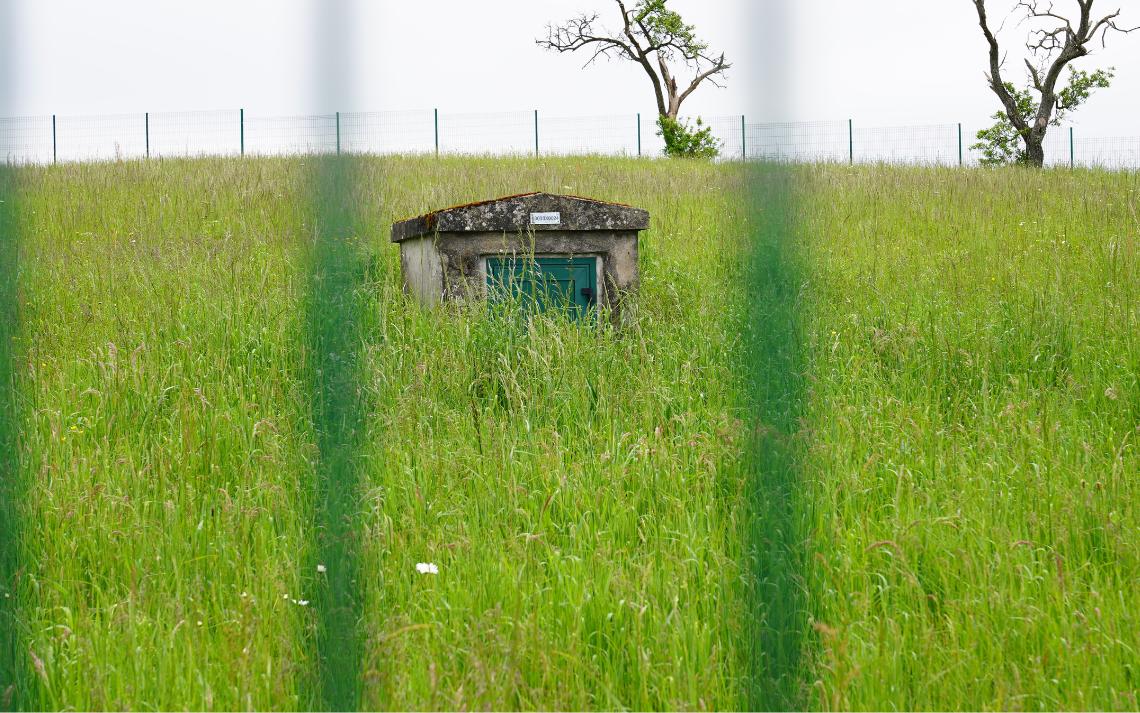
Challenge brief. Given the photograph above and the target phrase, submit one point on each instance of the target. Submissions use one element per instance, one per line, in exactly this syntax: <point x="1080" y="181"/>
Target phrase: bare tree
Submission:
<point x="654" y="37"/>
<point x="1054" y="46"/>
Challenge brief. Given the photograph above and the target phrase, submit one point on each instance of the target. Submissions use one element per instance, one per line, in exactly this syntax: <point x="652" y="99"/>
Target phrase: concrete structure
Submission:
<point x="541" y="244"/>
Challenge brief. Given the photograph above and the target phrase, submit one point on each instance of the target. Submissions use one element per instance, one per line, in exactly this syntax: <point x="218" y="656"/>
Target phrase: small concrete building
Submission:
<point x="575" y="252"/>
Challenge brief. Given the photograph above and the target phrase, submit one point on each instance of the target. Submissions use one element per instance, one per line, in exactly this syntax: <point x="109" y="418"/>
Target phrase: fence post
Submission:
<point x="436" y="132"/>
<point x="639" y="133"/>
<point x="146" y="125"/>
<point x="536" y="132"/>
<point x="851" y="141"/>
<point x="338" y="133"/>
<point x="743" y="140"/>
<point x="241" y="122"/>
<point x="54" y="153"/>
<point x="959" y="144"/>
<point x="1072" y="153"/>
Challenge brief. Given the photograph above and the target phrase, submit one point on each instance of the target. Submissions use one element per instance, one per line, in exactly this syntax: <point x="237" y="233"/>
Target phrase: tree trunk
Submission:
<point x="1035" y="150"/>
<point x="674" y="102"/>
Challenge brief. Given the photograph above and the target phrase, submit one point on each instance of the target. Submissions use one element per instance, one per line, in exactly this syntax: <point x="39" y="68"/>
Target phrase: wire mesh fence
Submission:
<point x="289" y="135"/>
<point x="804" y="142"/>
<point x="388" y="132"/>
<point x="1112" y="153"/>
<point x="27" y="139"/>
<point x="48" y="139"/>
<point x="193" y="133"/>
<point x="936" y="145"/>
<point x="100" y="138"/>
<point x="604" y="135"/>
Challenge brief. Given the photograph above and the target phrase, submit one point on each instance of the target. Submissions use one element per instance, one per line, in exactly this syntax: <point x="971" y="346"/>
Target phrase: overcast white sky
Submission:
<point x="880" y="62"/>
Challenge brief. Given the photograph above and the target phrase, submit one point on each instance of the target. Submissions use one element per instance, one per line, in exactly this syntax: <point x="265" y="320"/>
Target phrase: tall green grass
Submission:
<point x="974" y="342"/>
<point x="944" y="425"/>
<point x="13" y="668"/>
<point x="339" y="411"/>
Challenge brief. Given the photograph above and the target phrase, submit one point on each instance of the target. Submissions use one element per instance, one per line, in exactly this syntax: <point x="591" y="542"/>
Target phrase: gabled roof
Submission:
<point x="512" y="214"/>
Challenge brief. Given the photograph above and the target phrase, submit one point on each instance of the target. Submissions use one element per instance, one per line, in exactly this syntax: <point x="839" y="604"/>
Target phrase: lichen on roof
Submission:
<point x="512" y="214"/>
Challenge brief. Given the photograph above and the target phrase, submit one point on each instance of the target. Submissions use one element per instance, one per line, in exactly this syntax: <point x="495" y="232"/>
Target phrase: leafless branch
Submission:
<point x="652" y="45"/>
<point x="578" y="33"/>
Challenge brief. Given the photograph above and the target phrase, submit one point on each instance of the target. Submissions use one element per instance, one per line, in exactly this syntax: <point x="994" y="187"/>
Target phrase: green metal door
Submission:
<point x="545" y="283"/>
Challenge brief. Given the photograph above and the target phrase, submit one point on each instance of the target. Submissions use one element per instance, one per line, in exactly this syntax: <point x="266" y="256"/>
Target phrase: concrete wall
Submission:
<point x="423" y="270"/>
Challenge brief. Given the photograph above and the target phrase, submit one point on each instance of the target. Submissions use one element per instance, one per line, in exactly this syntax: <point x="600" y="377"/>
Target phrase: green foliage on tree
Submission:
<point x="685" y="141"/>
<point x="665" y="30"/>
<point x="1003" y="143"/>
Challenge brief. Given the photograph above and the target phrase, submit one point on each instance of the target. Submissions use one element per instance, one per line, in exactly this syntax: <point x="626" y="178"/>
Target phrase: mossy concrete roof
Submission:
<point x="512" y="214"/>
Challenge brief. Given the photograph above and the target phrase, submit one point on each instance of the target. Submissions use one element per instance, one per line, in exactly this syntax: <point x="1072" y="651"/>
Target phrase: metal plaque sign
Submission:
<point x="546" y="219"/>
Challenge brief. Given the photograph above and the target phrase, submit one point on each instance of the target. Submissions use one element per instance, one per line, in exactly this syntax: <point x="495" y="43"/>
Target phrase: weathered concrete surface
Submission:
<point x="423" y="273"/>
<point x="512" y="214"/>
<point x="444" y="253"/>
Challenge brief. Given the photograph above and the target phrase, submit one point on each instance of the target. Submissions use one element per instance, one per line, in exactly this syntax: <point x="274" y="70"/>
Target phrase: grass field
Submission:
<point x="869" y="439"/>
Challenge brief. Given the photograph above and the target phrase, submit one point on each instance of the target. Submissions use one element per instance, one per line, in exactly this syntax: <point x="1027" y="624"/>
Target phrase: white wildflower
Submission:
<point x="321" y="569"/>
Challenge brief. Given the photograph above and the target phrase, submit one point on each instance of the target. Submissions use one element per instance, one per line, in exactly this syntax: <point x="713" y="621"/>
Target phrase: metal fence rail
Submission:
<point x="48" y="139"/>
